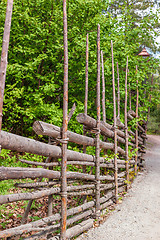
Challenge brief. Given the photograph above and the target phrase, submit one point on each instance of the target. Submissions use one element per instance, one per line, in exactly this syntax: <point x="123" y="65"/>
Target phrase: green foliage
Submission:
<point x="154" y="122"/>
<point x="34" y="84"/>
<point x="11" y="159"/>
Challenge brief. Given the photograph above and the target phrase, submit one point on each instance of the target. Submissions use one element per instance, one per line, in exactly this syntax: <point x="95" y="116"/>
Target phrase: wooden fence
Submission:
<point x="95" y="190"/>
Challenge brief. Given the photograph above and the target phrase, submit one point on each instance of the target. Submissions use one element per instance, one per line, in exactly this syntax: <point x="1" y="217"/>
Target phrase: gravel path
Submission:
<point x="138" y="216"/>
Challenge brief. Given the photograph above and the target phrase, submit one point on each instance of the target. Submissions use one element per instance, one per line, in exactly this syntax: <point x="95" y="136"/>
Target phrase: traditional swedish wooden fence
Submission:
<point x="78" y="184"/>
<point x="97" y="189"/>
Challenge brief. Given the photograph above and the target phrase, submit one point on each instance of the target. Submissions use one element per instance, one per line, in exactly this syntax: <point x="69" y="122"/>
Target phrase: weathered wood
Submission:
<point x="82" y="193"/>
<point x="126" y="128"/>
<point x="91" y="123"/>
<point x="53" y="228"/>
<point x="50" y="205"/>
<point x="39" y="185"/>
<point x="47" y="220"/>
<point x="122" y="174"/>
<point x="106" y="204"/>
<point x="97" y="155"/>
<point x="81" y="227"/>
<point x="76" y="230"/>
<point x="41" y="163"/>
<point x="35" y="184"/>
<point x="115" y="127"/>
<point x="150" y="98"/>
<point x="22" y="144"/>
<point x="71" y="112"/>
<point x="64" y="129"/>
<point x="86" y="77"/>
<point x="105" y="164"/>
<point x="130" y="97"/>
<point x="4" y="54"/>
<point x="44" y="221"/>
<point x="118" y="92"/>
<point x="22" y="173"/>
<point x="86" y="94"/>
<point x="26" y="212"/>
<point x="103" y="90"/>
<point x="136" y="138"/>
<point x="42" y="128"/>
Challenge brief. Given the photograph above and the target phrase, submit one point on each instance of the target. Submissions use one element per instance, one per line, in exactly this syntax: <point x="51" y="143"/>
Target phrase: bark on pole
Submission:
<point x="118" y="93"/>
<point x="4" y="54"/>
<point x="150" y="98"/>
<point x="98" y="128"/>
<point x="64" y="130"/>
<point x="126" y="129"/>
<point x="115" y="128"/>
<point x="86" y="79"/>
<point x="86" y="93"/>
<point x="103" y="90"/>
<point x="136" y="156"/>
<point x="130" y="98"/>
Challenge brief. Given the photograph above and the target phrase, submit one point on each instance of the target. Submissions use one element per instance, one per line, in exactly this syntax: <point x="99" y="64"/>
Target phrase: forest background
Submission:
<point x="34" y="83"/>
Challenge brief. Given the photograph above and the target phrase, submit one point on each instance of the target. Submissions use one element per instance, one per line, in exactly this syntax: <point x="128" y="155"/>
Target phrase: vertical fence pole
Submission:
<point x="130" y="97"/>
<point x="86" y="91"/>
<point x="150" y="98"/>
<point x="86" y="77"/>
<point x="97" y="177"/>
<point x="4" y="54"/>
<point x="118" y="92"/>
<point x="115" y="128"/>
<point x="103" y="90"/>
<point x="136" y="156"/>
<point x="126" y="129"/>
<point x="64" y="130"/>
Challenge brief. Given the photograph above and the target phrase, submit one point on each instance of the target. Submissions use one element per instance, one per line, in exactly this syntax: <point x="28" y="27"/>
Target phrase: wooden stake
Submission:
<point x="64" y="131"/>
<point x="118" y="93"/>
<point x="103" y="90"/>
<point x="150" y="98"/>
<point x="86" y="81"/>
<point x="126" y="129"/>
<point x="130" y="98"/>
<point x="115" y="128"/>
<point x="136" y="137"/>
<point x="97" y="177"/>
<point x="4" y="54"/>
<point x="26" y="212"/>
<point x="86" y="95"/>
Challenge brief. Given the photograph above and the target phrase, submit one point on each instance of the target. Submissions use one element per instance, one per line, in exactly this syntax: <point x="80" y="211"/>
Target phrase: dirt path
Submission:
<point x="138" y="216"/>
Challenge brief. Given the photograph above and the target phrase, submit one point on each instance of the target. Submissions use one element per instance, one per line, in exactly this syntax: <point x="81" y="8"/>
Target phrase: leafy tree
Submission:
<point x="34" y="84"/>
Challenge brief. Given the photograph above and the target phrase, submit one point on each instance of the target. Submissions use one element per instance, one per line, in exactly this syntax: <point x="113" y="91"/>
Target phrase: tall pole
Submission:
<point x="4" y="54"/>
<point x="103" y="89"/>
<point x="150" y="98"/>
<point x="126" y="129"/>
<point x="64" y="130"/>
<point x="115" y="128"/>
<point x="118" y="92"/>
<point x="130" y="97"/>
<point x="137" y="97"/>
<point x="86" y="91"/>
<point x="86" y="77"/>
<point x="98" y="128"/>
